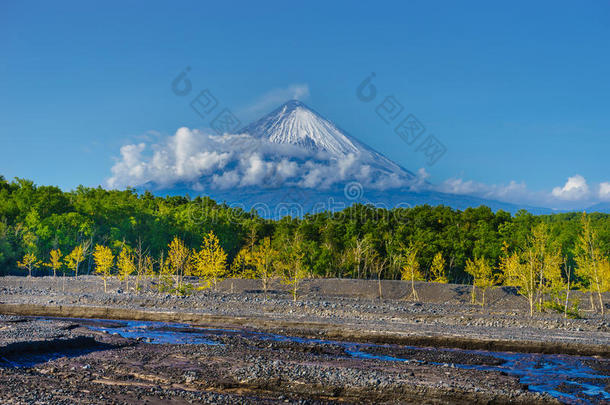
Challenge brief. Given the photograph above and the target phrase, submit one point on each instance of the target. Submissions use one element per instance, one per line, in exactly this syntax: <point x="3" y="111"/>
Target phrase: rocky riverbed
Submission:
<point x="79" y="361"/>
<point x="232" y="366"/>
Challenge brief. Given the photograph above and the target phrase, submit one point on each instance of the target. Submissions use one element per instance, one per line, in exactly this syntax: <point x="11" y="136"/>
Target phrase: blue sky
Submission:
<point x="517" y="91"/>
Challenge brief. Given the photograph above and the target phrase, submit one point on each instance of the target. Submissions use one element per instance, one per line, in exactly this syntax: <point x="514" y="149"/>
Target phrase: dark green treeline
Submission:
<point x="36" y="219"/>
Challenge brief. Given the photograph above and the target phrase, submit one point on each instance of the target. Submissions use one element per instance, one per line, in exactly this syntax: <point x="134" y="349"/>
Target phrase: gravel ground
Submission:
<point x="351" y="305"/>
<point x="68" y="363"/>
<point x="114" y="370"/>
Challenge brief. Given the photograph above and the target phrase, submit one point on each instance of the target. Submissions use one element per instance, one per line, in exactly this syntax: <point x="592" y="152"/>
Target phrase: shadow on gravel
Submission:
<point x="29" y="354"/>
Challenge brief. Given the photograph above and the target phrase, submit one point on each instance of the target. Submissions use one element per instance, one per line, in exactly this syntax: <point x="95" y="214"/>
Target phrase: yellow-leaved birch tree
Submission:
<point x="437" y="269"/>
<point x="482" y="273"/>
<point x="55" y="261"/>
<point x="75" y="258"/>
<point x="126" y="266"/>
<point x="210" y="262"/>
<point x="410" y="270"/>
<point x="589" y="261"/>
<point x="29" y="262"/>
<point x="104" y="260"/>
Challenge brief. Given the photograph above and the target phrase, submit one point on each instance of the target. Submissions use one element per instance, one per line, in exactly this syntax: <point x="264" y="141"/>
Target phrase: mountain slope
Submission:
<point x="294" y="161"/>
<point x="274" y="203"/>
<point x="296" y="124"/>
<point x="603" y="207"/>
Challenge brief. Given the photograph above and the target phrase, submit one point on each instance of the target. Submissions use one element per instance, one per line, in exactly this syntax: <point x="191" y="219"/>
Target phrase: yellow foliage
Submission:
<point x="75" y="258"/>
<point x="104" y="259"/>
<point x="243" y="264"/>
<point x="437" y="270"/>
<point x="264" y="258"/>
<point x="482" y="272"/>
<point x="210" y="262"/>
<point x="126" y="266"/>
<point x="149" y="267"/>
<point x="605" y="274"/>
<point x="519" y="274"/>
<point x="590" y="261"/>
<point x="178" y="261"/>
<point x="410" y="269"/>
<point x="29" y="262"/>
<point x="55" y="261"/>
<point x="292" y="265"/>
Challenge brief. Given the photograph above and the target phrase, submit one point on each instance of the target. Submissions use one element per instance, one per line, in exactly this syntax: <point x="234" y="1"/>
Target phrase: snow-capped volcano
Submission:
<point x="293" y="146"/>
<point x="292" y="155"/>
<point x="296" y="124"/>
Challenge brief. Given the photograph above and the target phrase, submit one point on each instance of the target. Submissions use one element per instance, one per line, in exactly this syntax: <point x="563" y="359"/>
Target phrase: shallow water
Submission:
<point x="541" y="372"/>
<point x="154" y="332"/>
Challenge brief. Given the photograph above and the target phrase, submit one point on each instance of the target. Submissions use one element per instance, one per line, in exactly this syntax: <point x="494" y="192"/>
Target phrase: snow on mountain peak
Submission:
<point x="293" y="146"/>
<point x="295" y="123"/>
<point x="291" y="152"/>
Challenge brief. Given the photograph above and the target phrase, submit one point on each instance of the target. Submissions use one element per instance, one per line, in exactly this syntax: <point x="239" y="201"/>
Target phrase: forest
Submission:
<point x="38" y="223"/>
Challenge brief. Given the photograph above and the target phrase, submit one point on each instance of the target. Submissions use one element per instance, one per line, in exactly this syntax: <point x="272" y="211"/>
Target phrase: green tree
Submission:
<point x="589" y="260"/>
<point x="293" y="265"/>
<point x="518" y="273"/>
<point x="483" y="277"/>
<point x="264" y="258"/>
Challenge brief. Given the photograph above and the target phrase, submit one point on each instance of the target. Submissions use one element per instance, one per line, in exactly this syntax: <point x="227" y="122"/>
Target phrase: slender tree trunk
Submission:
<point x="541" y="290"/>
<point x="565" y="311"/>
<point x="568" y="273"/>
<point x="413" y="292"/>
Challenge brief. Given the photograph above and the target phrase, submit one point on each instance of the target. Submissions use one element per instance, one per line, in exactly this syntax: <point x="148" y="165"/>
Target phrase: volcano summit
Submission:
<point x="291" y="155"/>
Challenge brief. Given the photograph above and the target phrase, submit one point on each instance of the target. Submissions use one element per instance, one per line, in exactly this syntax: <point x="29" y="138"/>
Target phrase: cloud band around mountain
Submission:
<point x="207" y="162"/>
<point x="204" y="163"/>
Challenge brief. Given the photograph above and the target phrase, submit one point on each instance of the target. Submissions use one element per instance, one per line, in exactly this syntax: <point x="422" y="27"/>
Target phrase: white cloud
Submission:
<point x="205" y="162"/>
<point x="574" y="194"/>
<point x="276" y="97"/>
<point x="186" y="156"/>
<point x="576" y="188"/>
<point x="604" y="191"/>
<point x="202" y="161"/>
